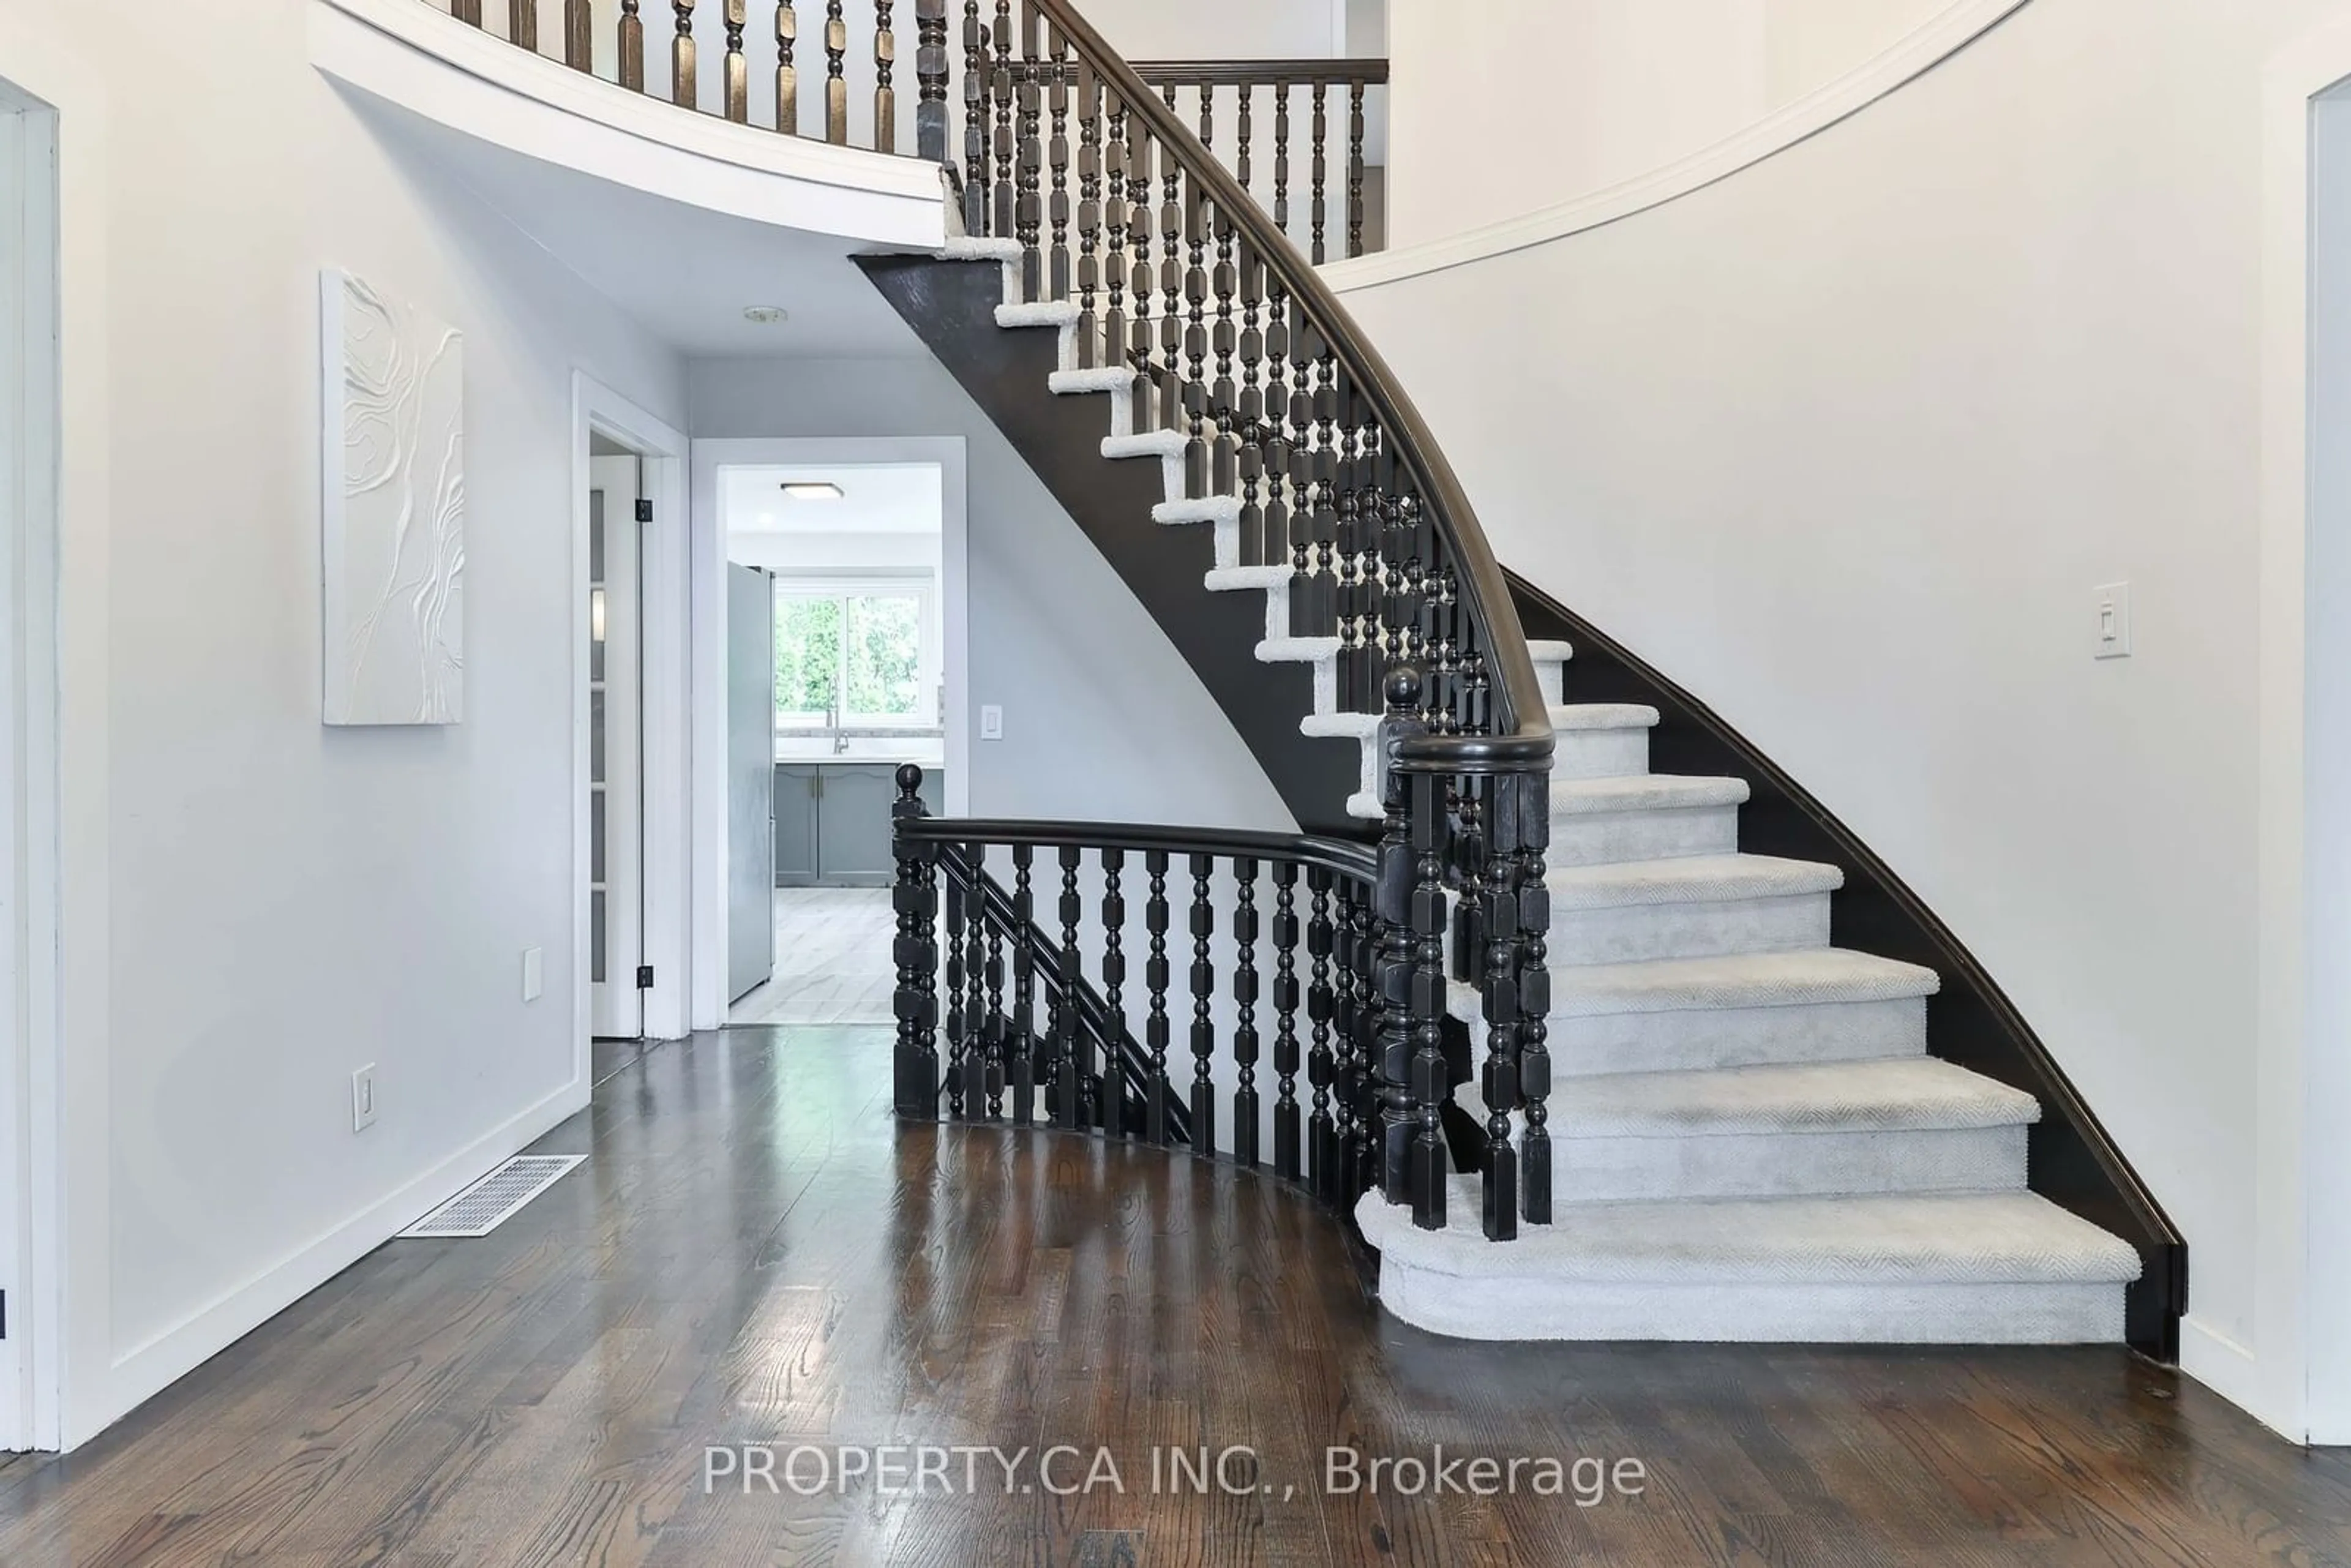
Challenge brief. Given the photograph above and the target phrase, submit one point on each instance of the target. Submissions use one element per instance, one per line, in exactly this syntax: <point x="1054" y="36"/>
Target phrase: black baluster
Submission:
<point x="1171" y="289"/>
<point x="633" y="48"/>
<point x="979" y="1032"/>
<point x="931" y="80"/>
<point x="1533" y="914"/>
<point x="1156" y="1091"/>
<point x="1241" y="157"/>
<point x="1058" y="152"/>
<point x="1069" y="1052"/>
<point x="1114" y="1120"/>
<point x="1248" y="433"/>
<point x="682" y="71"/>
<point x="1285" y="1021"/>
<point x="1281" y="156"/>
<point x="1429" y="1082"/>
<point x="1113" y="330"/>
<point x="1144" y="291"/>
<point x="977" y="185"/>
<point x="1245" y="993"/>
<point x="1196" y="342"/>
<point x="1223" y="455"/>
<point x="958" y="1022"/>
<point x="522" y="25"/>
<point x="1204" y="1029"/>
<point x="1090" y="215"/>
<point x="1008" y="143"/>
<point x="1321" y="209"/>
<point x="1274" y="548"/>
<point x="1207" y="118"/>
<point x="885" y="70"/>
<point x="1357" y="1087"/>
<point x="1023" y="1045"/>
<point x="1322" y="1132"/>
<point x="734" y="14"/>
<point x="836" y="78"/>
<point x="1029" y="208"/>
<point x="466" y="11"/>
<point x="1356" y="168"/>
<point x="1499" y="991"/>
<point x="996" y="1040"/>
<point x="915" y="900"/>
<point x="579" y="34"/>
<point x="1324" y="519"/>
<point x="787" y="74"/>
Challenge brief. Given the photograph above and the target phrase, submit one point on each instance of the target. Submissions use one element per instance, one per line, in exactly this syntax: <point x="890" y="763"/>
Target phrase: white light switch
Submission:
<point x="2113" y="625"/>
<point x="991" y="722"/>
<point x="363" y="1097"/>
<point x="533" y="973"/>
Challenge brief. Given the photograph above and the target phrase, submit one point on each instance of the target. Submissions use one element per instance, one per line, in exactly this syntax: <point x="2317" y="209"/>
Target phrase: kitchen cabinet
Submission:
<point x="832" y="822"/>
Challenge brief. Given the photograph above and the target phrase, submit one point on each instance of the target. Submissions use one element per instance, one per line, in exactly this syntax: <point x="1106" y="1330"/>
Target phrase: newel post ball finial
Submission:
<point x="1403" y="687"/>
<point x="910" y="780"/>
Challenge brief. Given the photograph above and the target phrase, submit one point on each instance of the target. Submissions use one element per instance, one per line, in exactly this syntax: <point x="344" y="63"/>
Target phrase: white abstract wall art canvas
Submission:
<point x="395" y="503"/>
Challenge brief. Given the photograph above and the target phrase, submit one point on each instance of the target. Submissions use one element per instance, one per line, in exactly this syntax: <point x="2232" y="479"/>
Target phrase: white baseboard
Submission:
<point x="2227" y="1368"/>
<point x="141" y="1374"/>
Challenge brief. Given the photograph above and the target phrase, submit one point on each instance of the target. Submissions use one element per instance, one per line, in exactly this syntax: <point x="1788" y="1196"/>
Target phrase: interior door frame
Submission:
<point x="663" y="617"/>
<point x="707" y="687"/>
<point x="31" y="889"/>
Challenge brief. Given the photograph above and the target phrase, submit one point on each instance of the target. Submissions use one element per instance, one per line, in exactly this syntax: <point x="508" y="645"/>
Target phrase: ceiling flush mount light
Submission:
<point x="816" y="492"/>
<point x="767" y="315"/>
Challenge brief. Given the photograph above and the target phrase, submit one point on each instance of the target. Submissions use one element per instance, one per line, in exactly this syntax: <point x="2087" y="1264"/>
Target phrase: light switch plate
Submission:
<point x="363" y="1097"/>
<point x="533" y="973"/>
<point x="991" y="722"/>
<point x="2113" y="625"/>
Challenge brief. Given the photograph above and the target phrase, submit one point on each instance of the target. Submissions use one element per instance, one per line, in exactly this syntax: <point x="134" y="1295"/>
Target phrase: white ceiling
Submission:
<point x="685" y="272"/>
<point x="899" y="498"/>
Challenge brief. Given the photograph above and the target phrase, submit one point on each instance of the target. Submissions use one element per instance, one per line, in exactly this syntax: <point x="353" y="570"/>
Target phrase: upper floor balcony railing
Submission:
<point x="1303" y="136"/>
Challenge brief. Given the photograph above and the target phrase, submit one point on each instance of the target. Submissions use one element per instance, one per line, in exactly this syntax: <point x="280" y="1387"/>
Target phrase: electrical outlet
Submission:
<point x="2114" y="624"/>
<point x="991" y="722"/>
<point x="533" y="973"/>
<point x="363" y="1097"/>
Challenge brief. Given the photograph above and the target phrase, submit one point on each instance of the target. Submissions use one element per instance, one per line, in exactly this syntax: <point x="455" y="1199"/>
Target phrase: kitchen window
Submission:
<point x="858" y="655"/>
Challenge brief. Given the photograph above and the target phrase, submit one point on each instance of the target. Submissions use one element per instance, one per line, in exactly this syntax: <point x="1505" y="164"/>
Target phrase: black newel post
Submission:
<point x="915" y="1004"/>
<point x="1396" y="952"/>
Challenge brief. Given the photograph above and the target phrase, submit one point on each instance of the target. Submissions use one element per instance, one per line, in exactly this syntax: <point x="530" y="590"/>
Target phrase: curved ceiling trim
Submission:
<point x="1954" y="29"/>
<point x="422" y="59"/>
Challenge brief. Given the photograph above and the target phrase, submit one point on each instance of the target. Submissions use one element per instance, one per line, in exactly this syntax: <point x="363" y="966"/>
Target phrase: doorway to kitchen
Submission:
<point x="842" y="580"/>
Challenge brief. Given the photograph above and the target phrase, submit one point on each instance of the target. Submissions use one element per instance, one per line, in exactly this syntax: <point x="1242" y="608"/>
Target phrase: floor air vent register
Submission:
<point x="495" y="1198"/>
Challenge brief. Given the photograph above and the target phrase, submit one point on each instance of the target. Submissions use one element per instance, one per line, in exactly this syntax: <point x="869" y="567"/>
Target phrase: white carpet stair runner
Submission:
<point x="1750" y="1141"/>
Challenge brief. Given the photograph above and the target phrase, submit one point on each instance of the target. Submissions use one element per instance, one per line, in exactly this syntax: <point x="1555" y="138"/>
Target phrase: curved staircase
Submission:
<point x="1719" y="1123"/>
<point x="1751" y="1141"/>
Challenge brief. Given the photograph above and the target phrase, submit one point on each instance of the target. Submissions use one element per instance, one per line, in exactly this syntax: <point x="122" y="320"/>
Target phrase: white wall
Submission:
<point x="794" y="553"/>
<point x="1539" y="101"/>
<point x="1103" y="719"/>
<point x="277" y="904"/>
<point x="1845" y="441"/>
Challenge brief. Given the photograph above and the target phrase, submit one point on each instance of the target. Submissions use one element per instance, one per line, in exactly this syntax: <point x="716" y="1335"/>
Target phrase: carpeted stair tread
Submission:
<point x="1603" y="715"/>
<point x="1902" y="1095"/>
<point x="1046" y="313"/>
<point x="1341" y="725"/>
<point x="1642" y="792"/>
<point x="1105" y="379"/>
<point x="1964" y="1238"/>
<point x="1238" y="579"/>
<point x="1804" y="977"/>
<point x="1688" y="879"/>
<point x="1161" y="443"/>
<point x="1296" y="650"/>
<point x="978" y="247"/>
<point x="1202" y="510"/>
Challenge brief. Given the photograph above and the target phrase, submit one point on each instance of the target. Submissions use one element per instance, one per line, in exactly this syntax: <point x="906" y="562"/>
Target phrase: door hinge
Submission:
<point x="644" y="977"/>
<point x="644" y="511"/>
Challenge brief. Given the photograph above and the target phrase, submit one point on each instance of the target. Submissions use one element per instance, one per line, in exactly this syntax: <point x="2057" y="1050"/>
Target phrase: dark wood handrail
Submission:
<point x="1261" y="73"/>
<point x="1521" y="737"/>
<point x="1359" y="863"/>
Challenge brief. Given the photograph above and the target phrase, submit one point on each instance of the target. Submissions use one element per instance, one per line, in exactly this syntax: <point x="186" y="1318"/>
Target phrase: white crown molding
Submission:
<point x="426" y="61"/>
<point x="1920" y="51"/>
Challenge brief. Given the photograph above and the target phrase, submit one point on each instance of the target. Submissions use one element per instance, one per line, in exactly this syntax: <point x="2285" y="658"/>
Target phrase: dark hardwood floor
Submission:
<point x="756" y="1253"/>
